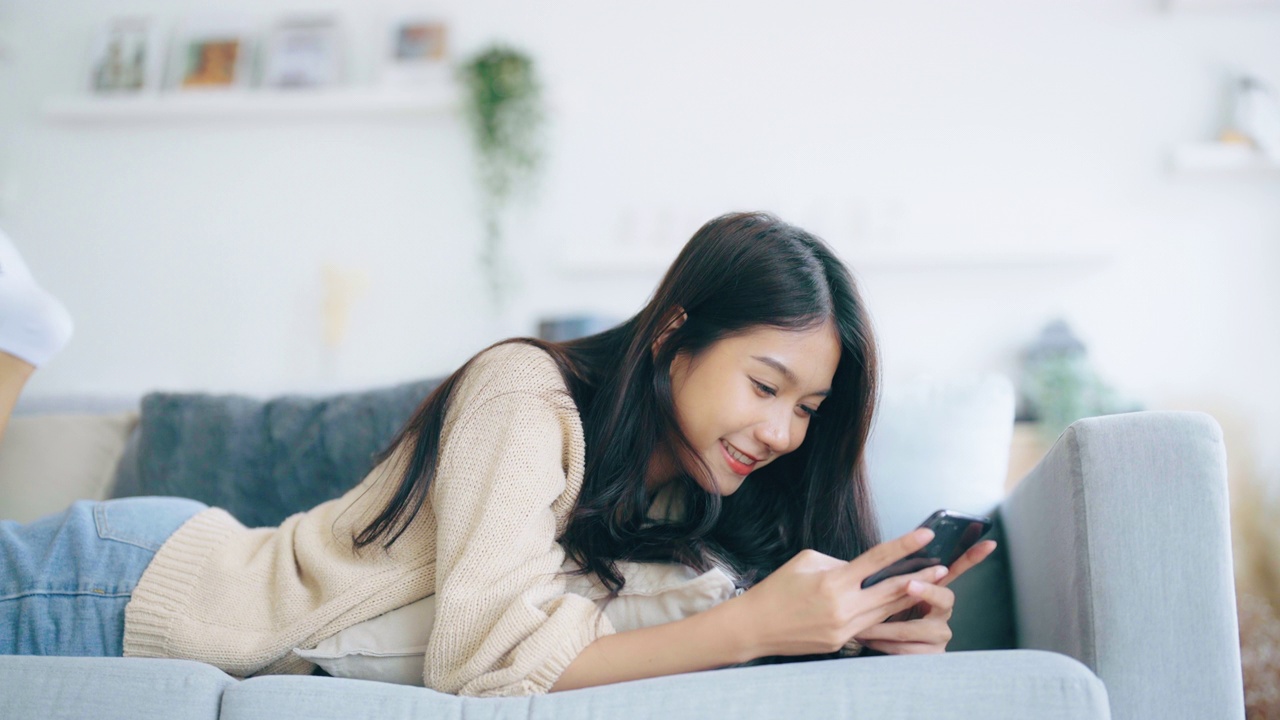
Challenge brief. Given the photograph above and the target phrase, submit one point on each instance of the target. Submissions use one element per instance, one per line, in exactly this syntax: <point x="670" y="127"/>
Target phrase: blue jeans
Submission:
<point x="65" y="579"/>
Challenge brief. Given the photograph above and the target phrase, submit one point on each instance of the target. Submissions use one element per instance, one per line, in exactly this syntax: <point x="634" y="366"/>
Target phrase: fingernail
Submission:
<point x="940" y="572"/>
<point x="915" y="586"/>
<point x="924" y="534"/>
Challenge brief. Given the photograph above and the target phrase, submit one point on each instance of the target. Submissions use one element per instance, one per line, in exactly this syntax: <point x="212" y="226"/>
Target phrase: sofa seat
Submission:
<point x="63" y="688"/>
<point x="993" y="685"/>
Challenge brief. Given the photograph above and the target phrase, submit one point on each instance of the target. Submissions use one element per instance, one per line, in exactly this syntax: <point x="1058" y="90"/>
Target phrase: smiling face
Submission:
<point x="747" y="400"/>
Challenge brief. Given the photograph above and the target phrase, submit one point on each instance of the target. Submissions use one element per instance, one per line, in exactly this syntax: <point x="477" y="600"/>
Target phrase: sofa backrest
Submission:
<point x="934" y="444"/>
<point x="50" y="460"/>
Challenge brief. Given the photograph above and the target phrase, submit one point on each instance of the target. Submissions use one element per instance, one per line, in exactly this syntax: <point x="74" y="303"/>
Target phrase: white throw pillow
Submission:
<point x="49" y="461"/>
<point x="390" y="647"/>
<point x="939" y="443"/>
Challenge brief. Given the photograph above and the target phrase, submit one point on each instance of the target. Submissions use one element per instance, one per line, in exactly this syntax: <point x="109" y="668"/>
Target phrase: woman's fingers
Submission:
<point x="973" y="556"/>
<point x="890" y="589"/>
<point x="913" y="631"/>
<point x="878" y="557"/>
<point x="922" y="600"/>
<point x="925" y="630"/>
<point x="941" y="600"/>
<point x="889" y="612"/>
<point x="893" y="596"/>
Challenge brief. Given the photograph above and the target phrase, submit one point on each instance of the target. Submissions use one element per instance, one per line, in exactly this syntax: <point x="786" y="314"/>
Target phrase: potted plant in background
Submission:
<point x="503" y="101"/>
<point x="1060" y="386"/>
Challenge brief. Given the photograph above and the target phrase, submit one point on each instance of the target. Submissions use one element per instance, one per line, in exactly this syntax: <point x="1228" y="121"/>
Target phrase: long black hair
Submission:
<point x="739" y="272"/>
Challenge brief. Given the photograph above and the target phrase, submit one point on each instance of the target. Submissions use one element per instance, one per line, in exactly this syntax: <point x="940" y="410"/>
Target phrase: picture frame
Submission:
<point x="417" y="50"/>
<point x="211" y="55"/>
<point x="126" y="57"/>
<point x="303" y="52"/>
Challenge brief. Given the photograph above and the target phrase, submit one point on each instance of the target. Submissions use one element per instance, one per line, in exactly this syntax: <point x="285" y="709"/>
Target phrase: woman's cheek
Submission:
<point x="798" y="429"/>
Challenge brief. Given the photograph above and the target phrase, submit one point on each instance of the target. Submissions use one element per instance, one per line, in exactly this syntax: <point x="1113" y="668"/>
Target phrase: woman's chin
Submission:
<point x="727" y="486"/>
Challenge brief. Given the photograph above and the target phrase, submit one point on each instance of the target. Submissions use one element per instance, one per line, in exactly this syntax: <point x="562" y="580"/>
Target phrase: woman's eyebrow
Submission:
<point x="786" y="372"/>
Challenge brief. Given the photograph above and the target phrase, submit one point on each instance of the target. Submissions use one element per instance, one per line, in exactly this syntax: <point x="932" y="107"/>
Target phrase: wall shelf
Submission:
<point x="1215" y="158"/>
<point x="253" y="104"/>
<point x="651" y="262"/>
<point x="1176" y="5"/>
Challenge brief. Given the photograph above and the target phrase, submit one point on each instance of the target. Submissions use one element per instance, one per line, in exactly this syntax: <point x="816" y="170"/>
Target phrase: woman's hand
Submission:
<point x="815" y="603"/>
<point x="923" y="628"/>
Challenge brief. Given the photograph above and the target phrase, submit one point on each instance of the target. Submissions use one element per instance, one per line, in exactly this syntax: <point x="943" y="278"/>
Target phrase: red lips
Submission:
<point x="737" y="466"/>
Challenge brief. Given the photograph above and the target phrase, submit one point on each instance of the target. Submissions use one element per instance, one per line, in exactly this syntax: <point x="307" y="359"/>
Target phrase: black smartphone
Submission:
<point x="953" y="534"/>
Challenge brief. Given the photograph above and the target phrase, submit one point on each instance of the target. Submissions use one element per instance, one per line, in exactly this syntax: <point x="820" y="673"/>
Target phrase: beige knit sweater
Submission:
<point x="510" y="469"/>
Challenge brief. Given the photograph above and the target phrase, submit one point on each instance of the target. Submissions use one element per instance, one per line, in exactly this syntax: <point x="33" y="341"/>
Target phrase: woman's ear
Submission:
<point x="677" y="317"/>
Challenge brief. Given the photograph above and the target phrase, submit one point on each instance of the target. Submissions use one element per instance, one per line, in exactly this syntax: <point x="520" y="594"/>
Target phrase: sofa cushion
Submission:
<point x="48" y="462"/>
<point x="262" y="460"/>
<point x="73" y="688"/>
<point x="1006" y="685"/>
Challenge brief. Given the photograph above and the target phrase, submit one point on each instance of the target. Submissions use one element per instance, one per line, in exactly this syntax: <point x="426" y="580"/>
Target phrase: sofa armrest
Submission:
<point x="1120" y="552"/>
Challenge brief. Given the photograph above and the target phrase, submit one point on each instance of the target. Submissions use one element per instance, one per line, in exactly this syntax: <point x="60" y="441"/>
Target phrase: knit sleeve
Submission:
<point x="509" y="472"/>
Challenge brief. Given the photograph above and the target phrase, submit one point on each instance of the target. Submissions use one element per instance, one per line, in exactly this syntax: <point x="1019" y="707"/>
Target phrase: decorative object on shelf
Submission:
<point x="303" y="52"/>
<point x="217" y="53"/>
<point x="1249" y="142"/>
<point x="211" y="54"/>
<point x="1256" y="116"/>
<point x="504" y="109"/>
<point x="417" y="51"/>
<point x="126" y="57"/>
<point x="1058" y="384"/>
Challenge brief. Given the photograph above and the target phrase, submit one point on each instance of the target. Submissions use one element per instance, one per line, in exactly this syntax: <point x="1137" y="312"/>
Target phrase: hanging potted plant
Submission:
<point x="504" y="111"/>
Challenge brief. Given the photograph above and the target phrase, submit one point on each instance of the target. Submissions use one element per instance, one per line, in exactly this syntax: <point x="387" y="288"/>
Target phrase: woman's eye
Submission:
<point x="764" y="388"/>
<point x="811" y="412"/>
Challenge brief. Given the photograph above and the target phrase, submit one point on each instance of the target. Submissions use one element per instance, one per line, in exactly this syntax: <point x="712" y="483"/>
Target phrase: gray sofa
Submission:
<point x="1111" y="594"/>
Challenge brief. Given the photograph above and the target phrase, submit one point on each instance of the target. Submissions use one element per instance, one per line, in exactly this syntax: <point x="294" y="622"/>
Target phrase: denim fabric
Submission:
<point x="66" y="578"/>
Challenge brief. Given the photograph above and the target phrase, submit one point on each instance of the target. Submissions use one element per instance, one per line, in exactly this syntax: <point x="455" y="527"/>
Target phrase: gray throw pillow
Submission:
<point x="262" y="460"/>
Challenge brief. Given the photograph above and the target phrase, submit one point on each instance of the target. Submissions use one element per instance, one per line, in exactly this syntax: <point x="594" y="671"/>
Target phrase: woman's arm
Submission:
<point x="508" y="473"/>
<point x="712" y="639"/>
<point x="814" y="604"/>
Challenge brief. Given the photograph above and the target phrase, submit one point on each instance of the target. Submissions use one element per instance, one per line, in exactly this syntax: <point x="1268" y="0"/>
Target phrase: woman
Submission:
<point x="743" y="390"/>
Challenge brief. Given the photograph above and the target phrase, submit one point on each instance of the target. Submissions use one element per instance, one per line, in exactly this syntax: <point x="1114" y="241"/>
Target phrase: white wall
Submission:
<point x="191" y="253"/>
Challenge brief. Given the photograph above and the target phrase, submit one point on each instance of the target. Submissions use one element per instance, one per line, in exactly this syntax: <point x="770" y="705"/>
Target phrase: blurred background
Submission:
<point x="986" y="168"/>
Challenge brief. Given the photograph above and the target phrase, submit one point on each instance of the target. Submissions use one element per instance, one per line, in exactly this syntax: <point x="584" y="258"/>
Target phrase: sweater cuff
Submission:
<point x="594" y="625"/>
<point x="583" y="623"/>
<point x="159" y="601"/>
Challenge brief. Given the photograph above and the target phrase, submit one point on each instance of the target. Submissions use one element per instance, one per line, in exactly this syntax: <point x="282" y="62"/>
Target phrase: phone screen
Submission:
<point x="953" y="534"/>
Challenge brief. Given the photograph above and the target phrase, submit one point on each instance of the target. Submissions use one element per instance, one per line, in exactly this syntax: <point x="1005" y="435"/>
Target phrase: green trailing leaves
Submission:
<point x="505" y="113"/>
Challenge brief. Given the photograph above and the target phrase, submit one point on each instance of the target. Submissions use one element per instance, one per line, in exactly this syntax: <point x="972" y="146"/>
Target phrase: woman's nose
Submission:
<point x="775" y="433"/>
